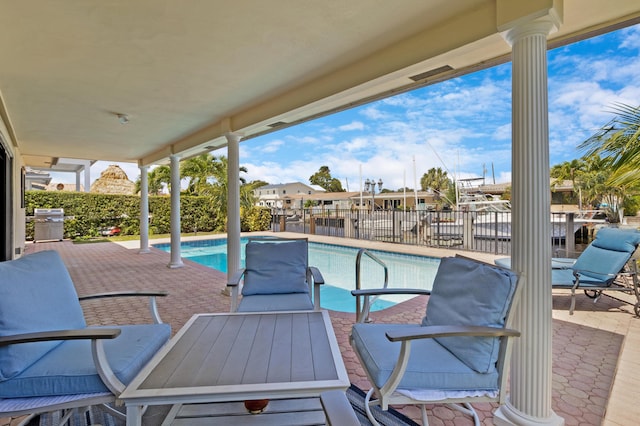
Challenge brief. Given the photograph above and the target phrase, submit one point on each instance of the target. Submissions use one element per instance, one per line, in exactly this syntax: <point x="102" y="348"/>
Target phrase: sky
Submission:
<point x="462" y="125"/>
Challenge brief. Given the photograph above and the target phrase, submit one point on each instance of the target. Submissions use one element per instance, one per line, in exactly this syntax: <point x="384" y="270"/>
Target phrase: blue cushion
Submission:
<point x="278" y="302"/>
<point x="466" y="292"/>
<point x="430" y="366"/>
<point x="275" y="267"/>
<point x="36" y="294"/>
<point x="556" y="262"/>
<point x="69" y="368"/>
<point x="617" y="239"/>
<point x="607" y="254"/>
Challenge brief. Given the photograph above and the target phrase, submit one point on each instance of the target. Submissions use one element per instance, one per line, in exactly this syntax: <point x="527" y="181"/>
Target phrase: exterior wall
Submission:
<point x="18" y="223"/>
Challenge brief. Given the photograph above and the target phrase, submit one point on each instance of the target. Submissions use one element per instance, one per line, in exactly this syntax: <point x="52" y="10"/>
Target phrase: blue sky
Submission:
<point x="459" y="125"/>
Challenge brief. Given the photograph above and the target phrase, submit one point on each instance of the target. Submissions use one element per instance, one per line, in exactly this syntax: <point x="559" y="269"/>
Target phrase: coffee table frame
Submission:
<point x="240" y="356"/>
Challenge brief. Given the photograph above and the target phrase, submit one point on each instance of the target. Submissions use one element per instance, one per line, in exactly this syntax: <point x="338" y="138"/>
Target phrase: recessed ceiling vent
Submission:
<point x="277" y="124"/>
<point x="431" y="73"/>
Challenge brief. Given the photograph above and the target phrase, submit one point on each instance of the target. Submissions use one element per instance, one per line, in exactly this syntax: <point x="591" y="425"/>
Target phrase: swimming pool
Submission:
<point x="337" y="264"/>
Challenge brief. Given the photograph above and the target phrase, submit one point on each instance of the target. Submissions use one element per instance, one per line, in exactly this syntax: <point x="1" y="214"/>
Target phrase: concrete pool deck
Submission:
<point x="595" y="352"/>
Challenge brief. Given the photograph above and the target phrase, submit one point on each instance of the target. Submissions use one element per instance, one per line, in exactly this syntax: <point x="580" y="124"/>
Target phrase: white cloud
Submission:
<point x="354" y="125"/>
<point x="273" y="146"/>
<point x="631" y="38"/>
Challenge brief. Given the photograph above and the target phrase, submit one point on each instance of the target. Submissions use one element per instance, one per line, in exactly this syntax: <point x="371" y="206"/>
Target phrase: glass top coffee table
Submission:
<point x="239" y="357"/>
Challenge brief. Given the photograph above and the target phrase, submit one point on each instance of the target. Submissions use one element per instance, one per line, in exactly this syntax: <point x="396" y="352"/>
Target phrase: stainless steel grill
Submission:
<point x="49" y="224"/>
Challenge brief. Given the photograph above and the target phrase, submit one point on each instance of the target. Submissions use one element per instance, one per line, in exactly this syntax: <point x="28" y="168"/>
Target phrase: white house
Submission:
<point x="279" y="195"/>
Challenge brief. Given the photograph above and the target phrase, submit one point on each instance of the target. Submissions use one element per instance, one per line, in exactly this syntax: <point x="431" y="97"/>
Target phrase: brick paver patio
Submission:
<point x="595" y="351"/>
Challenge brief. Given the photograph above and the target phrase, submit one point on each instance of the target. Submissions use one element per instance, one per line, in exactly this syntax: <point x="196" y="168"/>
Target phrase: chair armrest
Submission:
<point x="79" y="334"/>
<point x="380" y="291"/>
<point x="578" y="272"/>
<point x="317" y="275"/>
<point x="337" y="409"/>
<point x="124" y="294"/>
<point x="234" y="284"/>
<point x="429" y="332"/>
<point x="235" y="278"/>
<point x="153" y="306"/>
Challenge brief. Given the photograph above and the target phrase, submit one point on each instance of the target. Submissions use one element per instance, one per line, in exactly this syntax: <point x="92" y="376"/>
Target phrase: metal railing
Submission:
<point x="367" y="300"/>
<point x="488" y="232"/>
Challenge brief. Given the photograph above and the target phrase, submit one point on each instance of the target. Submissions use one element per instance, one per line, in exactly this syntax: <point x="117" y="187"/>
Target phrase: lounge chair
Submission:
<point x="277" y="277"/>
<point x="49" y="359"/>
<point x="458" y="355"/>
<point x="607" y="264"/>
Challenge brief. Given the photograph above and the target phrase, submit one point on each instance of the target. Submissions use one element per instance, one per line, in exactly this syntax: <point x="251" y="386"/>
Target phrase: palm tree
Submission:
<point x="156" y="180"/>
<point x="199" y="171"/>
<point x="619" y="143"/>
<point x="437" y="180"/>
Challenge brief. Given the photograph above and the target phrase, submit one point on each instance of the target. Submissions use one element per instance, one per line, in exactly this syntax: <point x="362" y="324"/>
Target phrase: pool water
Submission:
<point x="337" y="265"/>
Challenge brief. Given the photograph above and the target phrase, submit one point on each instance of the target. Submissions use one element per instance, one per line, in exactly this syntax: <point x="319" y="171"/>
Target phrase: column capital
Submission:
<point x="537" y="27"/>
<point x="235" y="136"/>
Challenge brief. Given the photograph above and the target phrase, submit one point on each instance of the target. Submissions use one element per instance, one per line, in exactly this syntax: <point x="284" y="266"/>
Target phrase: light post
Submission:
<point x="370" y="185"/>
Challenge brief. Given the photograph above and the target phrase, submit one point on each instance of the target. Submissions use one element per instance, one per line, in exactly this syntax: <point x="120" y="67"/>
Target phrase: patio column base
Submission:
<point x="175" y="265"/>
<point x="144" y="250"/>
<point x="508" y="415"/>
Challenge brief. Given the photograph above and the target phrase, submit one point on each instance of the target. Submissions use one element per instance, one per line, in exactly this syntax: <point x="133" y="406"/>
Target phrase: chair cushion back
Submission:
<point x="466" y="292"/>
<point x="275" y="267"/>
<point x="607" y="254"/>
<point x="36" y="294"/>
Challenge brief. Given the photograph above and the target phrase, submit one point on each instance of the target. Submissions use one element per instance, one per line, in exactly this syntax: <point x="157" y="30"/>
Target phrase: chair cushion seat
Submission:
<point x="563" y="278"/>
<point x="276" y="302"/>
<point x="430" y="366"/>
<point x="69" y="367"/>
<point x="556" y="262"/>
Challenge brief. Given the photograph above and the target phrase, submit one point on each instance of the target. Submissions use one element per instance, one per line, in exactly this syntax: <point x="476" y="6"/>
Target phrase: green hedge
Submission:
<point x="86" y="214"/>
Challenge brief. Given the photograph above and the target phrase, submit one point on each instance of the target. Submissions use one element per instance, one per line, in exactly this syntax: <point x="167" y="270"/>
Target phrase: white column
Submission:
<point x="176" y="260"/>
<point x="78" y="181"/>
<point x="233" y="203"/>
<point x="87" y="177"/>
<point x="144" y="210"/>
<point x="529" y="401"/>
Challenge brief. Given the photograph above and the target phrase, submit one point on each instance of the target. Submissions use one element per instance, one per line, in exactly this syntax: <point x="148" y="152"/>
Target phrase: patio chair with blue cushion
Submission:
<point x="49" y="359"/>
<point x="460" y="352"/>
<point x="607" y="264"/>
<point x="277" y="277"/>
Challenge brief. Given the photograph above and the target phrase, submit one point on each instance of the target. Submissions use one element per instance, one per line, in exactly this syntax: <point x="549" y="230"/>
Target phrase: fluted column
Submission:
<point x="144" y="210"/>
<point x="87" y="177"/>
<point x="233" y="203"/>
<point x="529" y="402"/>
<point x="176" y="260"/>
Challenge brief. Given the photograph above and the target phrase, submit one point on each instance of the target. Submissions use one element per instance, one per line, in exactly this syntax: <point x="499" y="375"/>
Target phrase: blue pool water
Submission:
<point x="337" y="264"/>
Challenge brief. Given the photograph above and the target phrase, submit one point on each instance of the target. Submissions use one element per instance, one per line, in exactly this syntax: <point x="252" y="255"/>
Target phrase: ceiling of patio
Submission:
<point x="185" y="72"/>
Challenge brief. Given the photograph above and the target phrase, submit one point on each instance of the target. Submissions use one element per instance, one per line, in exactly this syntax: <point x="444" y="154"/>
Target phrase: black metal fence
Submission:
<point x="488" y="232"/>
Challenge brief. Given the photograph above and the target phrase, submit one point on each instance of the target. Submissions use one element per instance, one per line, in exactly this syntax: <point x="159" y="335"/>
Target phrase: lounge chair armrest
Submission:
<point x="429" y="332"/>
<point x="124" y="294"/>
<point x="317" y="275"/>
<point x="578" y="272"/>
<point x="235" y="278"/>
<point x="79" y="334"/>
<point x="379" y="291"/>
<point x="153" y="306"/>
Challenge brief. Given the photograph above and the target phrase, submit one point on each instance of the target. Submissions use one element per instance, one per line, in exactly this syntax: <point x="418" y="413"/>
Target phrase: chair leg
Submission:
<point x="423" y="413"/>
<point x="466" y="408"/>
<point x="367" y="407"/>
